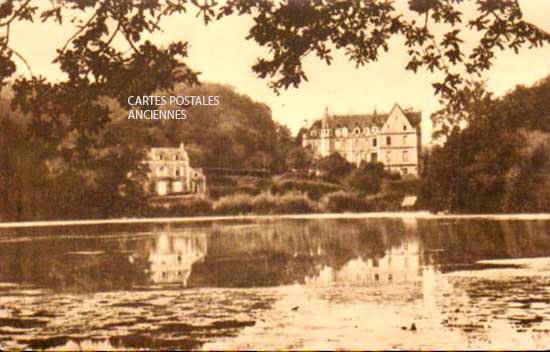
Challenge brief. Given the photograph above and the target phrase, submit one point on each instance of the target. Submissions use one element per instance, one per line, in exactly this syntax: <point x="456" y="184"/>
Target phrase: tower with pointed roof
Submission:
<point x="326" y="149"/>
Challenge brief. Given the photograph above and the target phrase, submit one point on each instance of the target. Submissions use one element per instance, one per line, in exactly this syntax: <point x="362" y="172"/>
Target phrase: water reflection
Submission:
<point x="243" y="284"/>
<point x="172" y="257"/>
<point x="400" y="263"/>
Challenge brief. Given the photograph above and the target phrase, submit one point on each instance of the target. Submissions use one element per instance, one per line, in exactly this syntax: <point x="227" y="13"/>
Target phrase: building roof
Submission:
<point x="365" y="120"/>
<point x="168" y="152"/>
<point x="362" y="120"/>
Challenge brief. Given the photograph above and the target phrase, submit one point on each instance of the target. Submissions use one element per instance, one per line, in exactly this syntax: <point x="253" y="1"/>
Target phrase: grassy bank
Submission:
<point x="286" y="194"/>
<point x="268" y="203"/>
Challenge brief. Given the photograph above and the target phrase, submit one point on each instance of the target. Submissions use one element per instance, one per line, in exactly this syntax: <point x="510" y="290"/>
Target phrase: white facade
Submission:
<point x="393" y="139"/>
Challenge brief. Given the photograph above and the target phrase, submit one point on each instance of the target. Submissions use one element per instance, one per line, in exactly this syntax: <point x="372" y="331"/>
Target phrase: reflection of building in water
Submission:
<point x="400" y="263"/>
<point x="173" y="256"/>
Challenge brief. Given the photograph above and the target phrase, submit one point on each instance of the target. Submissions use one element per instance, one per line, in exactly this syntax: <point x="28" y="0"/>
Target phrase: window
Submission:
<point x="160" y="156"/>
<point x="388" y="156"/>
<point x="374" y="142"/>
<point x="405" y="156"/>
<point x="404" y="171"/>
<point x="404" y="127"/>
<point x="388" y="140"/>
<point x="176" y="157"/>
<point x="313" y="133"/>
<point x="161" y="171"/>
<point x="374" y="157"/>
<point x="357" y="131"/>
<point x="404" y="140"/>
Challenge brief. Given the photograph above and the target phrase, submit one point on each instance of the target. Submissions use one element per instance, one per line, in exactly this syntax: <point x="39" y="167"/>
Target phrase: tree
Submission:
<point x="367" y="178"/>
<point x="291" y="29"/>
<point x="294" y="29"/>
<point x="299" y="158"/>
<point x="334" y="168"/>
<point x="36" y="182"/>
<point x="498" y="160"/>
<point x="245" y="134"/>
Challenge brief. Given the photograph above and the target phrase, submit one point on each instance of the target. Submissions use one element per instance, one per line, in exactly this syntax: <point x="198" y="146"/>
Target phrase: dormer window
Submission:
<point x="366" y="130"/>
<point x="313" y="133"/>
<point x="160" y="156"/>
<point x="177" y="157"/>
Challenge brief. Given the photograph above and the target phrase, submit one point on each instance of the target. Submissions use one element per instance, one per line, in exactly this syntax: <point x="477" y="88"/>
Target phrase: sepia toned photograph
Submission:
<point x="274" y="175"/>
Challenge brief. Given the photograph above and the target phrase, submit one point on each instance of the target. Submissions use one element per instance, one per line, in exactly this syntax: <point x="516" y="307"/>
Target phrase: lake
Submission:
<point x="278" y="283"/>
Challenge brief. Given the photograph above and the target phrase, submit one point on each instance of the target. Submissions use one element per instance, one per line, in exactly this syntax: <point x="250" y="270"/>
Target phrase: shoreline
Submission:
<point x="405" y="214"/>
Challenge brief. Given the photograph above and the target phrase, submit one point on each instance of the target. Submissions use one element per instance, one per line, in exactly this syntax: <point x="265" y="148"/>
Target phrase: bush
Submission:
<point x="342" y="201"/>
<point x="405" y="187"/>
<point x="334" y="168"/>
<point x="234" y="204"/>
<point x="387" y="202"/>
<point x="393" y="175"/>
<point x="220" y="180"/>
<point x="367" y="178"/>
<point x="295" y="203"/>
<point x="181" y="207"/>
<point x="221" y="191"/>
<point x="314" y="189"/>
<point x="195" y="206"/>
<point x="264" y="203"/>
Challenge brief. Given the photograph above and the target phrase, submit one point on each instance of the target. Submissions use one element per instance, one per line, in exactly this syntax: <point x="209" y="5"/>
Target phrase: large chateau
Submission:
<point x="393" y="139"/>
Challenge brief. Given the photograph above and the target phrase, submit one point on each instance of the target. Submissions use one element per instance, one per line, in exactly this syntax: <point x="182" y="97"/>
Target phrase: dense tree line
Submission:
<point x="496" y="155"/>
<point x="237" y="133"/>
<point x="42" y="178"/>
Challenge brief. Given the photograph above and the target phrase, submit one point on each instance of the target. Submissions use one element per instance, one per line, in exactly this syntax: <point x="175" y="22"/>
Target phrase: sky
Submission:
<point x="221" y="53"/>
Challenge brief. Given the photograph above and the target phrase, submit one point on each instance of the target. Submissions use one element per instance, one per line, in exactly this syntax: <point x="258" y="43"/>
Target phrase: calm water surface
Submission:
<point x="400" y="283"/>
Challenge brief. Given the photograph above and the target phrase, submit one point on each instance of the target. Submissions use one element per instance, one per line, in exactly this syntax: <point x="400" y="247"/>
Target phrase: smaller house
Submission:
<point x="171" y="173"/>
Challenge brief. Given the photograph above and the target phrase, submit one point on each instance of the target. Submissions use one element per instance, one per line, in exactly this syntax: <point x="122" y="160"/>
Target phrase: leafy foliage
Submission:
<point x="291" y="30"/>
<point x="367" y="178"/>
<point x="246" y="135"/>
<point x="362" y="29"/>
<point x="498" y="160"/>
<point x="39" y="183"/>
<point x="334" y="167"/>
